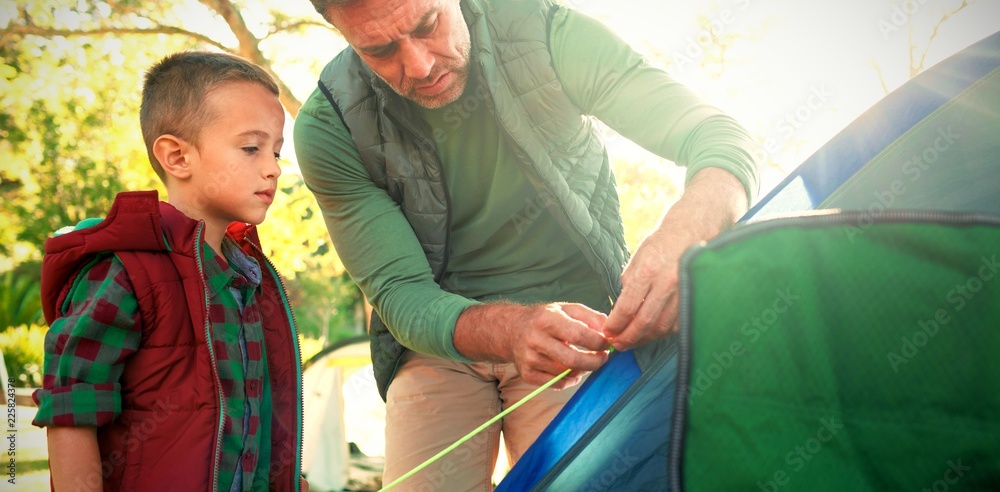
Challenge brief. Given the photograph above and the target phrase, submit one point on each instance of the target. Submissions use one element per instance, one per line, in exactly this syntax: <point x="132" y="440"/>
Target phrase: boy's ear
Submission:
<point x="173" y="153"/>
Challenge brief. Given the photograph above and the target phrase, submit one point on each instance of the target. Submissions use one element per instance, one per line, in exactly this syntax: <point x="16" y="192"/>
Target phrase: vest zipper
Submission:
<point x="608" y="280"/>
<point x="216" y="462"/>
<point x="282" y="292"/>
<point x="447" y="199"/>
<point x="439" y="276"/>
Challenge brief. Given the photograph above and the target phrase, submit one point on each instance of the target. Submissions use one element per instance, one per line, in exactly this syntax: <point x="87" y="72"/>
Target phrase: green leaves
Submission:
<point x="70" y="80"/>
<point x="20" y="298"/>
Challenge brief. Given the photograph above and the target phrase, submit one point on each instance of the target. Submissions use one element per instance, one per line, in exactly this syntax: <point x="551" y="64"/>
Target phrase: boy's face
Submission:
<point x="234" y="169"/>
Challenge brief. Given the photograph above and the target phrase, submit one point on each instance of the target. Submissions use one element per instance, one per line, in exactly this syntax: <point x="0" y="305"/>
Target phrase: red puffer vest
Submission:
<point x="168" y="436"/>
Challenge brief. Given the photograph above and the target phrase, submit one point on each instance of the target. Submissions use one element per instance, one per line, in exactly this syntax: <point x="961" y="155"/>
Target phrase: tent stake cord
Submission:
<point x="472" y="434"/>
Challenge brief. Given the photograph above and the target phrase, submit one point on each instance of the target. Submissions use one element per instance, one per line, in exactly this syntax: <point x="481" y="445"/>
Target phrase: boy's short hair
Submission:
<point x="175" y="89"/>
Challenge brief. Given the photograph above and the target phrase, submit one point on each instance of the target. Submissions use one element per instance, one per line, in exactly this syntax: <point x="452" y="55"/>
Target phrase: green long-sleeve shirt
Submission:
<point x="504" y="243"/>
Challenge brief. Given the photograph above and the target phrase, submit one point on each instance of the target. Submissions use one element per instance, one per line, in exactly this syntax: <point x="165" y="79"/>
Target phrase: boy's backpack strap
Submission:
<point x="159" y="291"/>
<point x="145" y="295"/>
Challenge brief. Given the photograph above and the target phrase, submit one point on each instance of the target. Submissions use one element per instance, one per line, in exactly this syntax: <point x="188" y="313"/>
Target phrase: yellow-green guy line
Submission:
<point x="479" y="429"/>
<point x="474" y="432"/>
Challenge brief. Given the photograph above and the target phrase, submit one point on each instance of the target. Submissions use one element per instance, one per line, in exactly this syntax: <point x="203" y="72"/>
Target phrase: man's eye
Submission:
<point x="251" y="150"/>
<point x="382" y="52"/>
<point x="426" y="29"/>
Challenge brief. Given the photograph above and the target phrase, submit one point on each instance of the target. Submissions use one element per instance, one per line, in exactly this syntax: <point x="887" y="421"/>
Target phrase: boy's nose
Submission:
<point x="273" y="169"/>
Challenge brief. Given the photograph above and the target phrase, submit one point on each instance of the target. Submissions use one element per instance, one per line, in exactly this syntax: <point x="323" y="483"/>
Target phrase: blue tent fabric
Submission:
<point x="614" y="433"/>
<point x="586" y="407"/>
<point x="599" y="425"/>
<point x="831" y="166"/>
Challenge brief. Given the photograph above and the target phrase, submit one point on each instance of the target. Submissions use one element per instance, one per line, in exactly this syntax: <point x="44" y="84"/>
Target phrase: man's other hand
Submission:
<point x="542" y="340"/>
<point x="647" y="307"/>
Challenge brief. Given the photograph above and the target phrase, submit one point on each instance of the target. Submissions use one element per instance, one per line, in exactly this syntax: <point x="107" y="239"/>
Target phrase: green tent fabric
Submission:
<point x="863" y="358"/>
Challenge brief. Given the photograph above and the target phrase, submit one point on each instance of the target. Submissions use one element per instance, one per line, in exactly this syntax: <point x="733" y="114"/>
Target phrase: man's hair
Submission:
<point x="175" y="89"/>
<point x="323" y="6"/>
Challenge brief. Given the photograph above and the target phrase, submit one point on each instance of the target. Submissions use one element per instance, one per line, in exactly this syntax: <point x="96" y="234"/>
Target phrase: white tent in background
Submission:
<point x="341" y="406"/>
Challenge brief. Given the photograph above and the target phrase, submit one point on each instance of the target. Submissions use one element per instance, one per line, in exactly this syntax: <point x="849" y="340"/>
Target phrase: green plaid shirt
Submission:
<point x="86" y="350"/>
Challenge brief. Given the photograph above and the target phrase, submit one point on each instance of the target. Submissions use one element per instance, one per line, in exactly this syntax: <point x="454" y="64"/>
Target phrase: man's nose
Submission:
<point x="417" y="60"/>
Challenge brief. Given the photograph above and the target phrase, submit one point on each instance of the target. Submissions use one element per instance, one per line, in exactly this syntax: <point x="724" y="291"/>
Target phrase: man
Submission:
<point x="469" y="194"/>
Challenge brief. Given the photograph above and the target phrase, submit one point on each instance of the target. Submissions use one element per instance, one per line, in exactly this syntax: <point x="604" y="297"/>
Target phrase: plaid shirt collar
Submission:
<point x="232" y="269"/>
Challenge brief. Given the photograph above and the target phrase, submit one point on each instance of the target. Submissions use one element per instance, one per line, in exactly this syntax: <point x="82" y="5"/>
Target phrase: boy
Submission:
<point x="172" y="359"/>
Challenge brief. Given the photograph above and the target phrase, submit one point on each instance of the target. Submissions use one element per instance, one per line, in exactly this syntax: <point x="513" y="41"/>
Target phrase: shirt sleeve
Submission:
<point x="372" y="236"/>
<point x="607" y="79"/>
<point x="86" y="349"/>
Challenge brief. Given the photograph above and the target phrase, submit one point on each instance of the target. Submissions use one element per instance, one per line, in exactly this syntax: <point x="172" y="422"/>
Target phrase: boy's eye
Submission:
<point x="277" y="155"/>
<point x="251" y="150"/>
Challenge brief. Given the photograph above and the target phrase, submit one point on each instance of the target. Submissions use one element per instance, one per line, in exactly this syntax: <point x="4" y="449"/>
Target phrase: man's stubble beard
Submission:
<point x="461" y="71"/>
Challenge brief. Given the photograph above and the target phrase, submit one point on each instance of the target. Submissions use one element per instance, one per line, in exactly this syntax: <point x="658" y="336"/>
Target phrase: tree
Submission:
<point x="918" y="45"/>
<point x="20" y="303"/>
<point x="70" y="77"/>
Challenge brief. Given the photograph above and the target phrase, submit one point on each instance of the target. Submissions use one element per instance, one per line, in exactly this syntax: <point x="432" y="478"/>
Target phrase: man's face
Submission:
<point x="419" y="47"/>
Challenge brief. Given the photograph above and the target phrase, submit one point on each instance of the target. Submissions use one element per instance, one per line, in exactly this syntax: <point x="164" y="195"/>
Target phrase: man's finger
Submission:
<point x="579" y="325"/>
<point x="569" y="358"/>
<point x="581" y="336"/>
<point x="548" y="369"/>
<point x="624" y="310"/>
<point x="593" y="319"/>
<point x="668" y="318"/>
<point x="645" y="324"/>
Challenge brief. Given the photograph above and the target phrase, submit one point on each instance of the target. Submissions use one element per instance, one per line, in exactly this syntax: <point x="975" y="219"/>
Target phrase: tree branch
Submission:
<point x="9" y="185"/>
<point x="249" y="48"/>
<point x="49" y="32"/>
<point x="298" y="24"/>
<point x="919" y="68"/>
<point x="881" y="76"/>
<point x="248" y="44"/>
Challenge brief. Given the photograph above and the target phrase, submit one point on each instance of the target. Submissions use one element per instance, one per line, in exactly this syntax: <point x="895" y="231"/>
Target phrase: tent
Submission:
<point x="342" y="409"/>
<point x="861" y="359"/>
<point x="930" y="145"/>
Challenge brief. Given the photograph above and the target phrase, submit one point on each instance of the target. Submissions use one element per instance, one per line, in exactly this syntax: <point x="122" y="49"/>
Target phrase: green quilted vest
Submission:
<point x="559" y="148"/>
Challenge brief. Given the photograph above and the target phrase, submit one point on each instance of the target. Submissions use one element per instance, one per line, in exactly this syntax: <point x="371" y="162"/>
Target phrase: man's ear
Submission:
<point x="173" y="153"/>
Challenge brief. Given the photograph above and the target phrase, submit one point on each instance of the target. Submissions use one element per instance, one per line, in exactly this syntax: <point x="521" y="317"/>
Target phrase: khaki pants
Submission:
<point x="433" y="402"/>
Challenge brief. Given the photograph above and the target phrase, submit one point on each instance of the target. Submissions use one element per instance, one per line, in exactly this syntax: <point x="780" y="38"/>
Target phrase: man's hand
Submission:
<point x="542" y="341"/>
<point x="559" y="337"/>
<point x="647" y="307"/>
